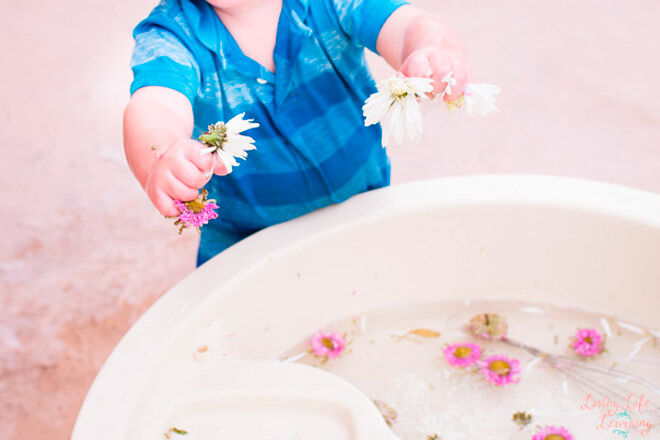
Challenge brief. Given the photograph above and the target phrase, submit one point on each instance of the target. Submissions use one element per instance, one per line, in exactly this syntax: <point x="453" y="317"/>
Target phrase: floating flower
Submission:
<point x="462" y="354"/>
<point x="522" y="419"/>
<point x="225" y="141"/>
<point x="588" y="342"/>
<point x="500" y="370"/>
<point x="328" y="345"/>
<point x="388" y="413"/>
<point x="396" y="106"/>
<point x="195" y="212"/>
<point x="489" y="326"/>
<point x="553" y="433"/>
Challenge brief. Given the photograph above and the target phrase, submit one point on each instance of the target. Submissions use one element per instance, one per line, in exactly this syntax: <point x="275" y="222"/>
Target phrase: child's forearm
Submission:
<point x="409" y="29"/>
<point x="157" y="117"/>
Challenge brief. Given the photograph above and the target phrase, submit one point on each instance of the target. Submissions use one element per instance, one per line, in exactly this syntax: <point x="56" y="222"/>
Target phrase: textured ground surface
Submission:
<point x="84" y="254"/>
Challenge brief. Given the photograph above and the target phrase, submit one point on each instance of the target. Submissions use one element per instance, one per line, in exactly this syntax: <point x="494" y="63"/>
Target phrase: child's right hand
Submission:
<point x="178" y="173"/>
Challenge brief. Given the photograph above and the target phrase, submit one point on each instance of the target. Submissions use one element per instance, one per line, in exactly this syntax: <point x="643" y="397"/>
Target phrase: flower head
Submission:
<point x="195" y="213"/>
<point x="489" y="326"/>
<point x="480" y="99"/>
<point x="500" y="370"/>
<point x="462" y="354"/>
<point x="225" y="141"/>
<point x="588" y="342"/>
<point x="388" y="413"/>
<point x="328" y="345"/>
<point x="396" y="107"/>
<point x="553" y="433"/>
<point x="477" y="99"/>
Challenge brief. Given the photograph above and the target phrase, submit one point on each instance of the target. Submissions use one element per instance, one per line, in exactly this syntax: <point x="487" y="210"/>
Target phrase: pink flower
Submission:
<point x="195" y="213"/>
<point x="588" y="342"/>
<point x="553" y="433"/>
<point x="328" y="345"/>
<point x="462" y="354"/>
<point x="500" y="370"/>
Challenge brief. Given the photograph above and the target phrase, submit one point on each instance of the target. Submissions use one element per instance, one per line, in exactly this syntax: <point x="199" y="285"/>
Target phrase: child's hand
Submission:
<point x="178" y="173"/>
<point x="437" y="62"/>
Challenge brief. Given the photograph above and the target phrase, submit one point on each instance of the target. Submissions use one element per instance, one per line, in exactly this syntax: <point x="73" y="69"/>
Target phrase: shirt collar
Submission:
<point x="204" y="21"/>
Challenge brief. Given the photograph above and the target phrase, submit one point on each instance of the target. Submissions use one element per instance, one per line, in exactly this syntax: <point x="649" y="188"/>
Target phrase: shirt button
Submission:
<point x="261" y="81"/>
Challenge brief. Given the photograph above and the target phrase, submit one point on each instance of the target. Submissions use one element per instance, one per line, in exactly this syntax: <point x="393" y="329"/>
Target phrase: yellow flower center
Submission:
<point x="554" y="437"/>
<point x="589" y="341"/>
<point x="398" y="87"/>
<point x="502" y="368"/>
<point x="327" y="343"/>
<point x="462" y="352"/>
<point x="455" y="105"/>
<point x="196" y="206"/>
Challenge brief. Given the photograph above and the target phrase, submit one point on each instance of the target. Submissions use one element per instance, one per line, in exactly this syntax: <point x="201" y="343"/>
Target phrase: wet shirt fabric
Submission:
<point x="312" y="147"/>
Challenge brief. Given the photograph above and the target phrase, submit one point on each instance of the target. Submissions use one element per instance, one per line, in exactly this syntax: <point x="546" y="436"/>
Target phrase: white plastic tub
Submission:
<point x="563" y="241"/>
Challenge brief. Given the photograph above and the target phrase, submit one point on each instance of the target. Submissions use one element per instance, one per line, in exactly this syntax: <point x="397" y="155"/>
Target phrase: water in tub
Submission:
<point x="436" y="378"/>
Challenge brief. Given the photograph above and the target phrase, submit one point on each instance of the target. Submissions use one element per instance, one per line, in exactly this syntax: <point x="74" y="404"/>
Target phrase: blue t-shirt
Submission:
<point x="312" y="147"/>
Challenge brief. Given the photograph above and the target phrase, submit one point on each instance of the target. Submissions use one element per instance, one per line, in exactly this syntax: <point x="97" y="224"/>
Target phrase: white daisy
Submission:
<point x="225" y="141"/>
<point x="396" y="107"/>
<point x="480" y="99"/>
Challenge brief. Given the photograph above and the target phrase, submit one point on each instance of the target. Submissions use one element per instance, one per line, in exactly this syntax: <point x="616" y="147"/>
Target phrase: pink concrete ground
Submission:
<point x="84" y="254"/>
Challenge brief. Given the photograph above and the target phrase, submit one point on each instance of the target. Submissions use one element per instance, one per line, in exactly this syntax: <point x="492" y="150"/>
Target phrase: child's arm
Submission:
<point x="420" y="44"/>
<point x="175" y="169"/>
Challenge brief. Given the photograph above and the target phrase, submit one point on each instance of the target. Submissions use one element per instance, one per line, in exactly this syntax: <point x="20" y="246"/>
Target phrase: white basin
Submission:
<point x="592" y="245"/>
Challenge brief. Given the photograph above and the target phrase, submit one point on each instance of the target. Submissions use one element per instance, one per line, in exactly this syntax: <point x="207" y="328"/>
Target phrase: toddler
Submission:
<point x="297" y="67"/>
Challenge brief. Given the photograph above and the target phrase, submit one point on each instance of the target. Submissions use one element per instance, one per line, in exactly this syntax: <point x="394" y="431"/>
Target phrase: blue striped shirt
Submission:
<point x="312" y="147"/>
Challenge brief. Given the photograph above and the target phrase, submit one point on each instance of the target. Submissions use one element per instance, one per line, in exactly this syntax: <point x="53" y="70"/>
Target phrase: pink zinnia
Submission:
<point x="553" y="433"/>
<point x="328" y="345"/>
<point x="500" y="370"/>
<point x="588" y="342"/>
<point x="195" y="213"/>
<point x="462" y="354"/>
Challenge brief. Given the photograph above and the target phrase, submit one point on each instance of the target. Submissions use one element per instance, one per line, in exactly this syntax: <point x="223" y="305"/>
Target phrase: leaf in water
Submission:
<point x="179" y="431"/>
<point x="425" y="333"/>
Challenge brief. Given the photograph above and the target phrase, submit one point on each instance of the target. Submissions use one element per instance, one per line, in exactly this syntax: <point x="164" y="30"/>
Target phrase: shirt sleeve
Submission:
<point x="362" y="20"/>
<point x="161" y="59"/>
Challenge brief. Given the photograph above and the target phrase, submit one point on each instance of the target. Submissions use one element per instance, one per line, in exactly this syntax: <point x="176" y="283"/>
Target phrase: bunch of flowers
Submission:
<point x="397" y="105"/>
<point x="225" y="142"/>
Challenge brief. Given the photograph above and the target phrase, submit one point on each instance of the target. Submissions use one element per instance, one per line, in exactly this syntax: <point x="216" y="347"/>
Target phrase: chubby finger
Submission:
<point x="177" y="190"/>
<point x="219" y="167"/>
<point x="417" y="65"/>
<point x="163" y="203"/>
<point x="194" y="154"/>
<point x="188" y="173"/>
<point x="442" y="64"/>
